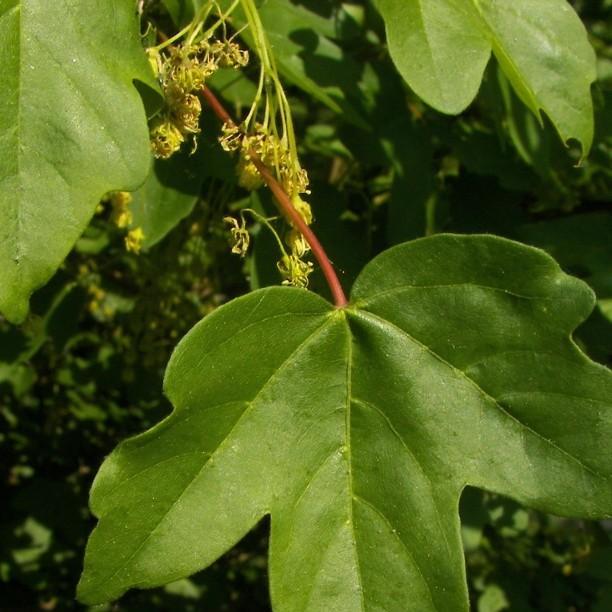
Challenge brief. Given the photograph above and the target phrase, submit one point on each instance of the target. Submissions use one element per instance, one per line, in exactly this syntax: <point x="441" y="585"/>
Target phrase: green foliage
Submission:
<point x="357" y="430"/>
<point x="72" y="127"/>
<point x="167" y="196"/>
<point x="85" y="368"/>
<point x="441" y="48"/>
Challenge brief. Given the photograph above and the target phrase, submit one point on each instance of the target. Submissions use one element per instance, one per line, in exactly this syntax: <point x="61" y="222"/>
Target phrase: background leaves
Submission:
<point x="95" y="377"/>
<point x="442" y="48"/>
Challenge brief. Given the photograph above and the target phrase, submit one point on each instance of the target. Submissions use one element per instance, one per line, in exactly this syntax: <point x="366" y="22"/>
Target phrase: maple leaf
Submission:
<point x="72" y="127"/>
<point x="357" y="429"/>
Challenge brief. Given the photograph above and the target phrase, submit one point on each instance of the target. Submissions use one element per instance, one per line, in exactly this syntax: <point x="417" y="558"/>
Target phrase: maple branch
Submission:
<point x="286" y="207"/>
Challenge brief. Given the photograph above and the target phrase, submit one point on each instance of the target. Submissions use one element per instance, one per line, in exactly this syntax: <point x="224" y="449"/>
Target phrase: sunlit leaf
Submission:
<point x="441" y="47"/>
<point x="72" y="127"/>
<point x="357" y="429"/>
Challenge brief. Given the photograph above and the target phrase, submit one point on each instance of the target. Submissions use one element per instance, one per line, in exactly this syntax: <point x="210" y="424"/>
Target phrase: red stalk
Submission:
<point x="286" y="207"/>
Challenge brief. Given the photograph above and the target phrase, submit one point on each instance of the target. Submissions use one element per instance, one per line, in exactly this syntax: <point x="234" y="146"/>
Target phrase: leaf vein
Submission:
<point x="249" y="326"/>
<point x="415" y="459"/>
<point x="403" y="544"/>
<point x="406" y="287"/>
<point x="248" y="409"/>
<point x="349" y="460"/>
<point x="462" y="374"/>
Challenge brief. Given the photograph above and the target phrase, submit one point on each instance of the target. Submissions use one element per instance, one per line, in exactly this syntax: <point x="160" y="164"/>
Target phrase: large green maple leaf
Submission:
<point x="357" y="429"/>
<point x="441" y="48"/>
<point x="72" y="127"/>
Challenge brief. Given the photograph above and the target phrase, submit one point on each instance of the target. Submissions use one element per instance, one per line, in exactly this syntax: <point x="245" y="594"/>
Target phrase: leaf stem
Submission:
<point x="286" y="207"/>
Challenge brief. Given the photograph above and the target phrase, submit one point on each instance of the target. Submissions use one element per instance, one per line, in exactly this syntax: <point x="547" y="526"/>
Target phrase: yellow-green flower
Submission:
<point x="294" y="270"/>
<point x="240" y="236"/>
<point x="166" y="138"/>
<point x="134" y="240"/>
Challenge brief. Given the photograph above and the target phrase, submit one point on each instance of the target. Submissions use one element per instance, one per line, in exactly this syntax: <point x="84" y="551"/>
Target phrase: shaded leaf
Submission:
<point x="181" y="11"/>
<point x="307" y="57"/>
<point x="167" y="196"/>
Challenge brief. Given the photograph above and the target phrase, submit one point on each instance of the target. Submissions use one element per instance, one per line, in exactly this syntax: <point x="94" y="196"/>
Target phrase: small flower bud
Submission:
<point x="240" y="236"/>
<point x="297" y="243"/>
<point x="134" y="240"/>
<point x="303" y="209"/>
<point x="166" y="138"/>
<point x="248" y="175"/>
<point x="120" y="201"/>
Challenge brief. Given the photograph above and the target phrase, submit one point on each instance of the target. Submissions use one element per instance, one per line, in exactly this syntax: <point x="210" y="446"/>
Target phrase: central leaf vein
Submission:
<point x="349" y="459"/>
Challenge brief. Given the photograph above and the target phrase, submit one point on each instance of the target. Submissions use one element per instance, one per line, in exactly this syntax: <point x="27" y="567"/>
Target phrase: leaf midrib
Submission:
<point x="18" y="247"/>
<point x="500" y="51"/>
<point x="349" y="456"/>
<point x="406" y="286"/>
<point x="441" y="89"/>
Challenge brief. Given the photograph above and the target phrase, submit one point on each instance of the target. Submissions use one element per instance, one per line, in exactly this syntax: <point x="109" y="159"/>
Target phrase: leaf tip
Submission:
<point x="14" y="309"/>
<point x="86" y="592"/>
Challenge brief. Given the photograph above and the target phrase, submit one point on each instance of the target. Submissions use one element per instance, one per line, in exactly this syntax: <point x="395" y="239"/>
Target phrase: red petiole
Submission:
<point x="286" y="207"/>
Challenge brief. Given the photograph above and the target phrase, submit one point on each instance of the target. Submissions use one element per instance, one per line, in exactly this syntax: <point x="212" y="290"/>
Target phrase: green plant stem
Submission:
<point x="286" y="207"/>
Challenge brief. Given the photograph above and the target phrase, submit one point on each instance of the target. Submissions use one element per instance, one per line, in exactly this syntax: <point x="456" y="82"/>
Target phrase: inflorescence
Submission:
<point x="182" y="65"/>
<point x="274" y="153"/>
<point x="182" y="72"/>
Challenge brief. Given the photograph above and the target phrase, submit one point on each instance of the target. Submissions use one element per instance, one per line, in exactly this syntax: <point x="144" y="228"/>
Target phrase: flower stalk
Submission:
<point x="286" y="207"/>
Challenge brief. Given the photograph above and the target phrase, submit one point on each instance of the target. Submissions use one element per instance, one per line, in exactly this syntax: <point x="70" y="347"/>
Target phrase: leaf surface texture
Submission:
<point x="441" y="48"/>
<point x="358" y="429"/>
<point x="72" y="127"/>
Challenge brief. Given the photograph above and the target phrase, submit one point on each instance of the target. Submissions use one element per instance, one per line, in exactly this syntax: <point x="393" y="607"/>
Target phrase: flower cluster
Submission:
<point x="273" y="152"/>
<point x="294" y="270"/>
<point x="182" y="72"/>
<point x="122" y="217"/>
